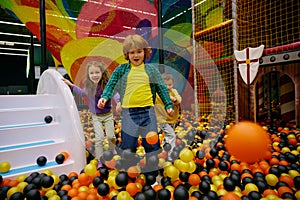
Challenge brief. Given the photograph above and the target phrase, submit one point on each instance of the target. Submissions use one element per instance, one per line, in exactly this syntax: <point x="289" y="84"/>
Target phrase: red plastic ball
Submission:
<point x="248" y="142"/>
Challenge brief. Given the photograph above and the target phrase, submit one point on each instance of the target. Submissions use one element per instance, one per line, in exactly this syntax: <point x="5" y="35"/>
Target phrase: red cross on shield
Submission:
<point x="248" y="62"/>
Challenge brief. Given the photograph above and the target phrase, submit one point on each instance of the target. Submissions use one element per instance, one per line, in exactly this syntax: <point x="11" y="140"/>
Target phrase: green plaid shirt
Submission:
<point x="117" y="83"/>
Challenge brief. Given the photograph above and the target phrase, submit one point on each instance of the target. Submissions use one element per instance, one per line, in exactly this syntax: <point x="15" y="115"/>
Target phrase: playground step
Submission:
<point x="56" y="168"/>
<point x="45" y="124"/>
<point x="43" y="131"/>
<point x="11" y="102"/>
<point x="29" y="152"/>
<point x="25" y="116"/>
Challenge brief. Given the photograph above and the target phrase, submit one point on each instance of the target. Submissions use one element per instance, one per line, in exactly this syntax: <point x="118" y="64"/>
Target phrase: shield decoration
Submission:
<point x="248" y="60"/>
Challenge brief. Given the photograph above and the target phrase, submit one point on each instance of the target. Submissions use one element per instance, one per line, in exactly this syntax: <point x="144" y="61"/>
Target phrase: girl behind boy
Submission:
<point x="97" y="78"/>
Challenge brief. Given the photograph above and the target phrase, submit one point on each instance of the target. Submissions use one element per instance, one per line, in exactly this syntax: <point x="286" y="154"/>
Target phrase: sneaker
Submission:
<point x="154" y="184"/>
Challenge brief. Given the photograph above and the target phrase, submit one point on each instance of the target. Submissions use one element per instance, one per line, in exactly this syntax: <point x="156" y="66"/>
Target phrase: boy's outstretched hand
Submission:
<point x="170" y="111"/>
<point x="101" y="103"/>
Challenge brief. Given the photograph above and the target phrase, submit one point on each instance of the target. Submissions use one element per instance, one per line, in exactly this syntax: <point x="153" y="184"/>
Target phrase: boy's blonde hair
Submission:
<point x="167" y="76"/>
<point x="135" y="42"/>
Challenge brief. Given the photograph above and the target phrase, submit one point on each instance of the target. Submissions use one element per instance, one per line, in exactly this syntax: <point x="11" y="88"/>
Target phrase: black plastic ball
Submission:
<point x="275" y="171"/>
<point x="184" y="176"/>
<point x="229" y="184"/>
<point x="63" y="177"/>
<point x="206" y="178"/>
<point x="280" y="183"/>
<point x="204" y="187"/>
<point x="127" y="154"/>
<point x="62" y="193"/>
<point x="17" y="196"/>
<point x="167" y="147"/>
<point x="164" y="194"/>
<point x="122" y="179"/>
<point x="97" y="181"/>
<point x="245" y="198"/>
<point x="210" y="163"/>
<point x="108" y="155"/>
<point x="262" y="186"/>
<point x="60" y="158"/>
<point x="34" y="174"/>
<point x="181" y="193"/>
<point x="47" y="181"/>
<point x="37" y="182"/>
<point x="119" y="164"/>
<point x="175" y="154"/>
<point x="152" y="161"/>
<point x="203" y="134"/>
<point x="212" y="194"/>
<point x="146" y="187"/>
<point x="28" y="179"/>
<point x="65" y="197"/>
<point x="150" y="193"/>
<point x="140" y="196"/>
<point x="254" y="195"/>
<point x="29" y="187"/>
<point x="235" y="176"/>
<point x="57" y="187"/>
<point x="297" y="182"/>
<point x="196" y="194"/>
<point x="72" y="178"/>
<point x="247" y="180"/>
<point x="103" y="189"/>
<point x="287" y="195"/>
<point x="223" y="166"/>
<point x="41" y="161"/>
<point x="213" y="152"/>
<point x="48" y="119"/>
<point x="33" y="194"/>
<point x="200" y="154"/>
<point x="150" y="179"/>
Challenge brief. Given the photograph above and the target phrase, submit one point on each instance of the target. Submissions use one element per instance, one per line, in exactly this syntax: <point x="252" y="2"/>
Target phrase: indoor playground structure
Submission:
<point x="37" y="129"/>
<point x="236" y="65"/>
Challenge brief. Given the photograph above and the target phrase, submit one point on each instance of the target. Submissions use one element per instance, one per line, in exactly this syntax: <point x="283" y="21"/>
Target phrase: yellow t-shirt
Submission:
<point x="161" y="114"/>
<point x="138" y="91"/>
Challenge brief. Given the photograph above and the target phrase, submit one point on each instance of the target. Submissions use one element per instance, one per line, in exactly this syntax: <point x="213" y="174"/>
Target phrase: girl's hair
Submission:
<point x="136" y="42"/>
<point x="90" y="86"/>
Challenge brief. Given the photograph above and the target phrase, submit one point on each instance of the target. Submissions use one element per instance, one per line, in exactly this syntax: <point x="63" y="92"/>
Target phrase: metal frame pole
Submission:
<point x="194" y="62"/>
<point x="160" y="38"/>
<point x="235" y="47"/>
<point x="44" y="64"/>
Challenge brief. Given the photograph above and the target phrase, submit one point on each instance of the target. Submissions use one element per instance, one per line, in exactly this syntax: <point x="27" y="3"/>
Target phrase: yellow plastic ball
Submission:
<point x="50" y="193"/>
<point x="4" y="167"/>
<point x="90" y="169"/>
<point x="123" y="195"/>
<point x="250" y="187"/>
<point x="271" y="179"/>
<point x="22" y="185"/>
<point x="186" y="155"/>
<point x="11" y="191"/>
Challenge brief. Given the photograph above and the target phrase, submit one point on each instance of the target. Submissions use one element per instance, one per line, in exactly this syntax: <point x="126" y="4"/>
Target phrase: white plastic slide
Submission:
<point x="42" y="125"/>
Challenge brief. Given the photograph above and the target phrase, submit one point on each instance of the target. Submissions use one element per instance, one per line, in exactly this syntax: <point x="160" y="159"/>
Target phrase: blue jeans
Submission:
<point x="135" y="122"/>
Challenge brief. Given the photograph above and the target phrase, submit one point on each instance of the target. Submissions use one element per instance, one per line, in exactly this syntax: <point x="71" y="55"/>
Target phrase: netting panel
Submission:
<point x="214" y="58"/>
<point x="272" y="23"/>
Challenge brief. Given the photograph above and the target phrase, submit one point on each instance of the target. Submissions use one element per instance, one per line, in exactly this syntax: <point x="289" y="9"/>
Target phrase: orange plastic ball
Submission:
<point x="248" y="142"/>
<point x="152" y="137"/>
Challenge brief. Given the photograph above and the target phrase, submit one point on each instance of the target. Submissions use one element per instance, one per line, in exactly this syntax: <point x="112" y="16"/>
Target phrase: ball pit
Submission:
<point x="201" y="167"/>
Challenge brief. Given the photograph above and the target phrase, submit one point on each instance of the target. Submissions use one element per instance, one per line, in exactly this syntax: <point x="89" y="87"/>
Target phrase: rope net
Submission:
<point x="214" y="59"/>
<point x="275" y="24"/>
